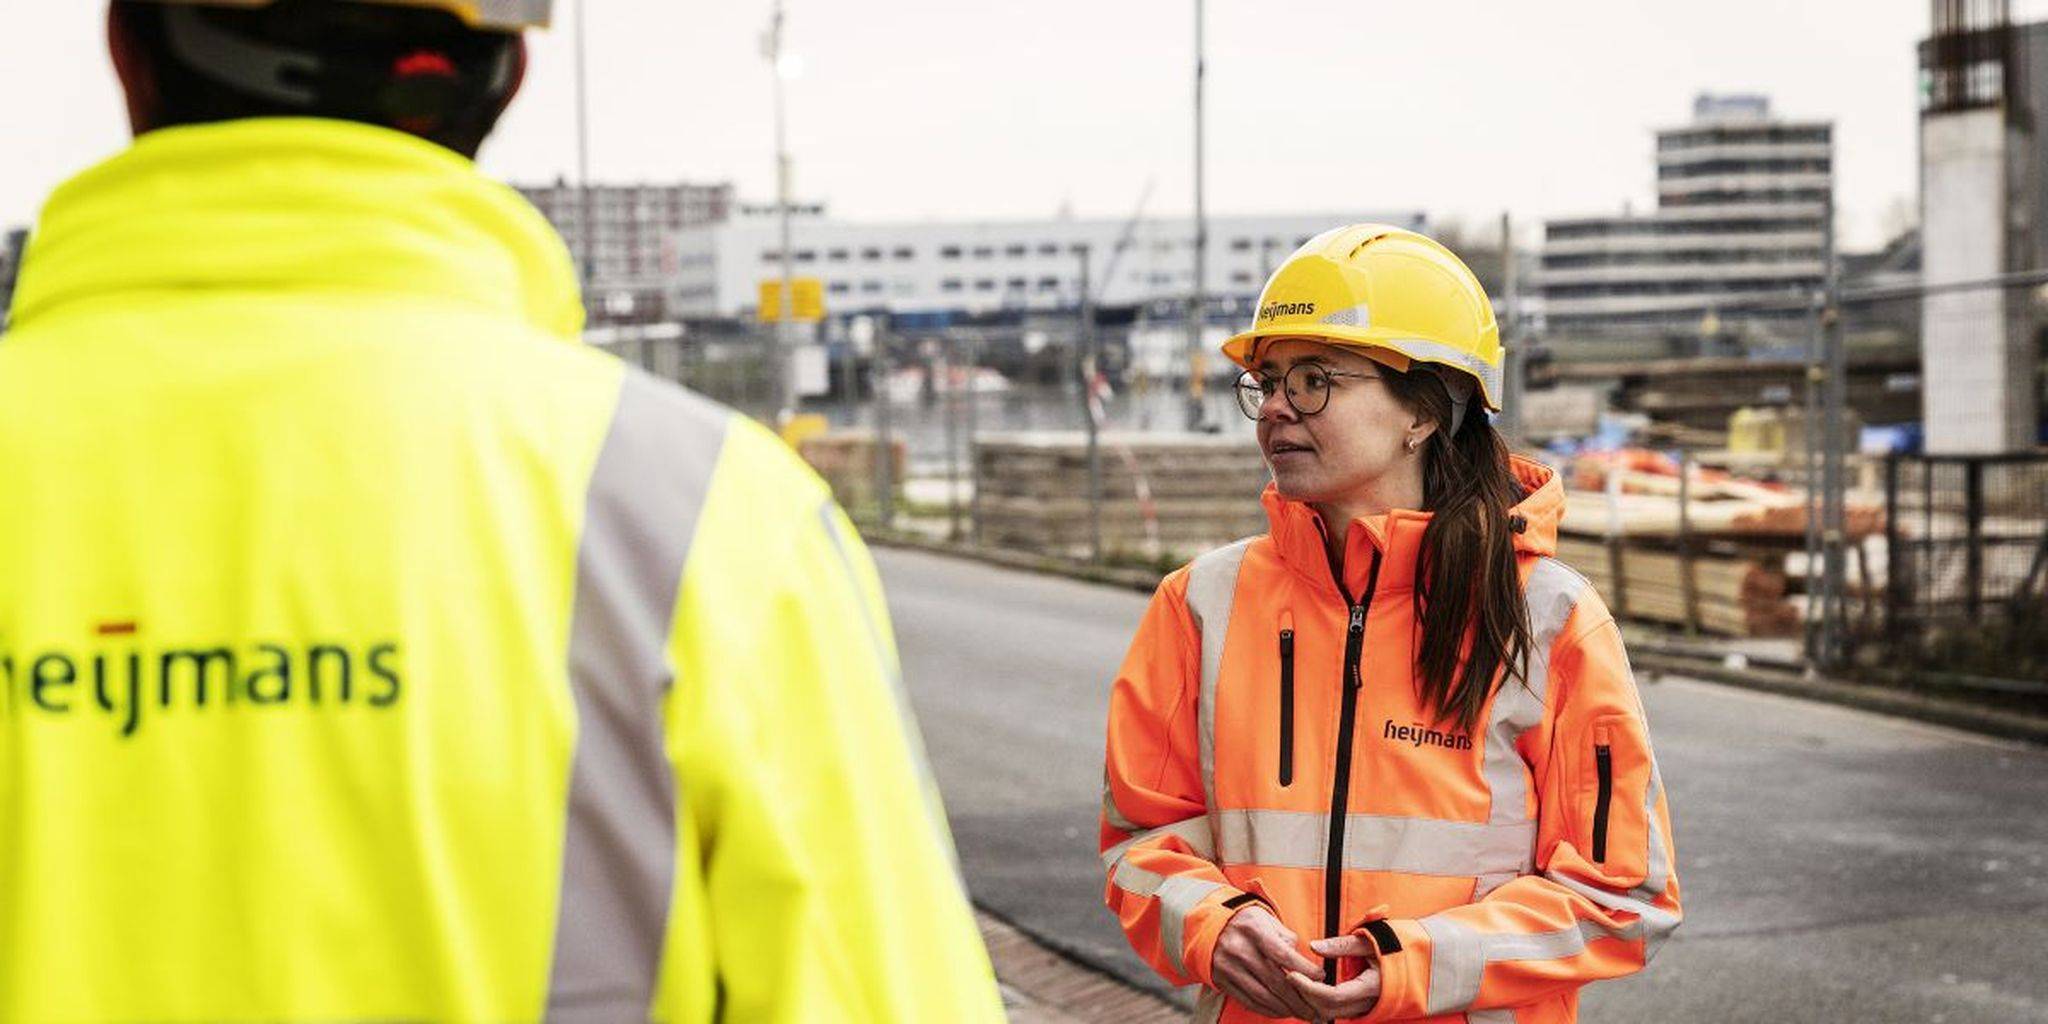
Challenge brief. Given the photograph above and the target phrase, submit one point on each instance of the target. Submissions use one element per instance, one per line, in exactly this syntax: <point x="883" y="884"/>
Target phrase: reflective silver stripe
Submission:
<point x="1437" y="352"/>
<point x="512" y="15"/>
<point x="1459" y="955"/>
<point x="1178" y="897"/>
<point x="618" y="846"/>
<point x="1212" y="589"/>
<point x="1496" y="1016"/>
<point x="1208" y="1007"/>
<point x="1193" y="831"/>
<point x="1456" y="962"/>
<point x="1372" y="842"/>
<point x="1657" y="875"/>
<point x="1653" y="924"/>
<point x="1110" y="813"/>
<point x="1552" y="592"/>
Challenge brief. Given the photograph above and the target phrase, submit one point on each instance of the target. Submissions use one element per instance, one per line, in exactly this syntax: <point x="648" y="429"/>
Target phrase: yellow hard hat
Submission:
<point x="1393" y="293"/>
<point x="494" y="15"/>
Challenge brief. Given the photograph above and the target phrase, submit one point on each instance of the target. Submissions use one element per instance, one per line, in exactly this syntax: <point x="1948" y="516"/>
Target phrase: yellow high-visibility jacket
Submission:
<point x="372" y="650"/>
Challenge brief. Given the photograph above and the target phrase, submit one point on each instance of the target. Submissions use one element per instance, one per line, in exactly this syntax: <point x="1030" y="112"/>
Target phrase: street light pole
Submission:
<point x="1197" y="307"/>
<point x="587" y="230"/>
<point x="785" y="321"/>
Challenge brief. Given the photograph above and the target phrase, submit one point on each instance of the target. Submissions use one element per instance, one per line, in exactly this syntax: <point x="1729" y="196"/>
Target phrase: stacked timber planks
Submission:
<point x="1162" y="493"/>
<point x="1734" y="595"/>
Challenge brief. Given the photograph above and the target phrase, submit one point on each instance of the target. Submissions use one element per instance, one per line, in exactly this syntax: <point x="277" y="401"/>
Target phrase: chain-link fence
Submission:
<point x="1966" y="589"/>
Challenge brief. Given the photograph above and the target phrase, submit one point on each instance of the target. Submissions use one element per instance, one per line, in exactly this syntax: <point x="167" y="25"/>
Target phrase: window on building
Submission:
<point x="982" y="252"/>
<point x="1240" y="245"/>
<point x="1019" y="283"/>
<point x="806" y="255"/>
<point x="870" y="287"/>
<point x="986" y="284"/>
<point x="949" y="252"/>
<point x="1048" y="249"/>
<point x="1048" y="284"/>
<point x="771" y="256"/>
<point x="871" y="253"/>
<point x="836" y="255"/>
<point x="904" y="252"/>
<point x="1014" y="251"/>
<point x="951" y="284"/>
<point x="1241" y="277"/>
<point x="839" y="287"/>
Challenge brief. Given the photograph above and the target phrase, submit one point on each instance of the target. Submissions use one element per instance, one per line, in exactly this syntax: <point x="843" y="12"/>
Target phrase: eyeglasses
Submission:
<point x="1308" y="388"/>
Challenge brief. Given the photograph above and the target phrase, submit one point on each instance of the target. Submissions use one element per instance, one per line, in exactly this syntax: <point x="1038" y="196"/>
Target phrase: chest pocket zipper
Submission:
<point x="1286" y="707"/>
<point x="1603" y="767"/>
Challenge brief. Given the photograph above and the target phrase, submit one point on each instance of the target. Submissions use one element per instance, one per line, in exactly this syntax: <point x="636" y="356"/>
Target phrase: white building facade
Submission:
<point x="970" y="268"/>
<point x="1741" y="219"/>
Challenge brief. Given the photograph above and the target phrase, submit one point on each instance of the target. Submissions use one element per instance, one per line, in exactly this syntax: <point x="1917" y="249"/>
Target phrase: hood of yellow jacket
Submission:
<point x="294" y="205"/>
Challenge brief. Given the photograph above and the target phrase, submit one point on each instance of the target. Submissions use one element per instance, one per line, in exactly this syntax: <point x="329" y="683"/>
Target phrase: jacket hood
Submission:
<point x="297" y="204"/>
<point x="1297" y="532"/>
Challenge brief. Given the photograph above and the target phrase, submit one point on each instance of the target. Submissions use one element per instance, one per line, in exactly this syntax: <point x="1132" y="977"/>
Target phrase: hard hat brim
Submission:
<point x="1243" y="349"/>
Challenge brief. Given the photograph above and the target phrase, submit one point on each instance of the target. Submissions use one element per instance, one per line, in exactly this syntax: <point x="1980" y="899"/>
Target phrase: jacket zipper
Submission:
<point x="1287" y="707"/>
<point x="1603" y="765"/>
<point x="1340" y="791"/>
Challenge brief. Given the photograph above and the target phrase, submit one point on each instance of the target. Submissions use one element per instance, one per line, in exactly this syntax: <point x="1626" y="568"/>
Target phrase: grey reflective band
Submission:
<point x="1552" y="592"/>
<point x="1653" y="924"/>
<point x="1178" y="897"/>
<point x="1437" y="352"/>
<point x="1212" y="589"/>
<point x="1459" y="954"/>
<point x="511" y="15"/>
<point x="1208" y="1007"/>
<point x="1110" y="813"/>
<point x="1192" y="831"/>
<point x="619" y="841"/>
<point x="1374" y="842"/>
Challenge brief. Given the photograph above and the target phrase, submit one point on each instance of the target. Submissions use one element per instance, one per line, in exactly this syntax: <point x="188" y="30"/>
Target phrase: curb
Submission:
<point x="1042" y="985"/>
<point x="1644" y="654"/>
<point x="1895" y="703"/>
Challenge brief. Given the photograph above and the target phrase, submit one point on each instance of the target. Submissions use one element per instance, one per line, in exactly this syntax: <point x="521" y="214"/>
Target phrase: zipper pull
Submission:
<point x="1354" y="641"/>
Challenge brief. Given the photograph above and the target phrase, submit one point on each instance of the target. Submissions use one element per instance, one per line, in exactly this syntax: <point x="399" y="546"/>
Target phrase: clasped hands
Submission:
<point x="1256" y="962"/>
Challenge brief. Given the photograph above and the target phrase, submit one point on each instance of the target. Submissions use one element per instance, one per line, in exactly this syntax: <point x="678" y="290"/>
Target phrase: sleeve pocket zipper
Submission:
<point x="1603" y="765"/>
<point x="1286" y="707"/>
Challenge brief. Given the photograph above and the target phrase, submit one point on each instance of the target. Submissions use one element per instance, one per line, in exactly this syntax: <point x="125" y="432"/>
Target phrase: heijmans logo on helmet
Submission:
<point x="1278" y="309"/>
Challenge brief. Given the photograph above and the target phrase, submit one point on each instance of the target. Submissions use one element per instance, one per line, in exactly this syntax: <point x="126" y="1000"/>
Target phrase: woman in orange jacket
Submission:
<point x="1386" y="761"/>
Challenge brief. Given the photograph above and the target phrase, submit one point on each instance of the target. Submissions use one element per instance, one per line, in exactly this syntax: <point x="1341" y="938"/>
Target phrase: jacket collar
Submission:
<point x="294" y="204"/>
<point x="1297" y="532"/>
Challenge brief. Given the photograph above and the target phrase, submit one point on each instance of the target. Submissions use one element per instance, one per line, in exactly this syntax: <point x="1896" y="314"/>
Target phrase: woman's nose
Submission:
<point x="1276" y="407"/>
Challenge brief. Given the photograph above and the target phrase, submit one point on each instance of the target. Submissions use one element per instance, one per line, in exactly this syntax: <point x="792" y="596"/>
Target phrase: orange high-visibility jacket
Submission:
<point x="1267" y="742"/>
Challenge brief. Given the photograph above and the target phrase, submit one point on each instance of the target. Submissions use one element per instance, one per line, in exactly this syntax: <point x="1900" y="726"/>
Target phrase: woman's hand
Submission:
<point x="1354" y="998"/>
<point x="1252" y="960"/>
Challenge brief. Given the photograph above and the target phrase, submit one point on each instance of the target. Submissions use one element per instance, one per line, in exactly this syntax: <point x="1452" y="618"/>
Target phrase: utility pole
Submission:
<point x="1514" y="360"/>
<point x="1197" y="307"/>
<point x="1834" y="468"/>
<point x="785" y="321"/>
<point x="1085" y="364"/>
<point x="587" y="234"/>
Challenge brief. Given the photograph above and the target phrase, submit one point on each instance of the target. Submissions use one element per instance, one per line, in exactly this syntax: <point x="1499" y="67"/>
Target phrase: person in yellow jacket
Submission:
<point x="372" y="650"/>
<point x="1386" y="761"/>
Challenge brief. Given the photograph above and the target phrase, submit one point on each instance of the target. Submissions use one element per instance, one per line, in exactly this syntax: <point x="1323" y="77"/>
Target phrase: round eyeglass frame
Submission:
<point x="1252" y="390"/>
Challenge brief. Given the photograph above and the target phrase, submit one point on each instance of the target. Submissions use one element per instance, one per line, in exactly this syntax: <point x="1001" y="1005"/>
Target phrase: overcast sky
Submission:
<point x="939" y="109"/>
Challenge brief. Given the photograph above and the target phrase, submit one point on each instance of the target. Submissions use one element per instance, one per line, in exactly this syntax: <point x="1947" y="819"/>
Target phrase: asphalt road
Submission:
<point x="1837" y="865"/>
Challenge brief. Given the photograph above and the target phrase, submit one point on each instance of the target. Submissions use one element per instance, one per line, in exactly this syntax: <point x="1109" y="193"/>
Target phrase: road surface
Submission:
<point x="1837" y="865"/>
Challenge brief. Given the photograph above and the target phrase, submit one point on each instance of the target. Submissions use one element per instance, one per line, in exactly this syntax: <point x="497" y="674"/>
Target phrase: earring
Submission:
<point x="1412" y="443"/>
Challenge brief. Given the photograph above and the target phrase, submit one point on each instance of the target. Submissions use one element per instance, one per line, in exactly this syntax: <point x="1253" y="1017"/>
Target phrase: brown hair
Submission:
<point x="1466" y="572"/>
